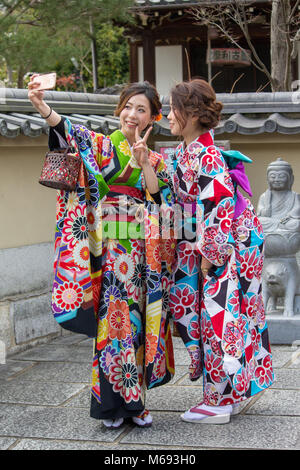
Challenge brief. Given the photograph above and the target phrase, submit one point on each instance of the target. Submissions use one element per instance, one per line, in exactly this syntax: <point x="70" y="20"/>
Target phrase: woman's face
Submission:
<point x="135" y="114"/>
<point x="175" y="126"/>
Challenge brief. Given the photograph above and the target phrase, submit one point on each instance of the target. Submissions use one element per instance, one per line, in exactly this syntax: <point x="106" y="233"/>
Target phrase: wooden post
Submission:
<point x="133" y="65"/>
<point x="149" y="57"/>
<point x="209" y="77"/>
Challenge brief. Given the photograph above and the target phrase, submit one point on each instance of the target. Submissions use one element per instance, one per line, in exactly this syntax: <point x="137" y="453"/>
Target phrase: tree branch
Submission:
<point x="213" y="17"/>
<point x="11" y="8"/>
<point x="243" y="24"/>
<point x="293" y="11"/>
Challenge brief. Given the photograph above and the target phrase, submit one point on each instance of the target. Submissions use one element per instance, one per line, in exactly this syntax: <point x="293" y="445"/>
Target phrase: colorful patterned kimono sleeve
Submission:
<point x="165" y="183"/>
<point x="162" y="215"/>
<point x="215" y="207"/>
<point x="94" y="149"/>
<point x="160" y="252"/>
<point x="78" y="235"/>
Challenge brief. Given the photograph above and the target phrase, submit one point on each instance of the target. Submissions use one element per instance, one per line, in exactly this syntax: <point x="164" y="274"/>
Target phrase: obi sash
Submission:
<point x="122" y="213"/>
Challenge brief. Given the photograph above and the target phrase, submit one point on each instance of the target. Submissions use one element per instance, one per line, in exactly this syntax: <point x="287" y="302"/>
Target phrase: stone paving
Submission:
<point x="45" y="397"/>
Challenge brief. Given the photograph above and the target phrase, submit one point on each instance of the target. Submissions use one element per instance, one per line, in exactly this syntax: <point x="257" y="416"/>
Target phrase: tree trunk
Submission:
<point x="21" y="76"/>
<point x="280" y="46"/>
<point x="9" y="76"/>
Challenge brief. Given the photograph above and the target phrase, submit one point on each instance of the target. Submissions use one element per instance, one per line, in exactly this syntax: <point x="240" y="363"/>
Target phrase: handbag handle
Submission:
<point x="62" y="142"/>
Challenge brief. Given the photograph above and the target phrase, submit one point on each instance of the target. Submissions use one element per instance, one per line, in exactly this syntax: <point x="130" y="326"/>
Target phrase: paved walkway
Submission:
<point x="44" y="404"/>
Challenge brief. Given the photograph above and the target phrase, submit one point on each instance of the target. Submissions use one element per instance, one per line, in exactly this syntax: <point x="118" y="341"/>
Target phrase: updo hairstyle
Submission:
<point x="143" y="88"/>
<point x="196" y="98"/>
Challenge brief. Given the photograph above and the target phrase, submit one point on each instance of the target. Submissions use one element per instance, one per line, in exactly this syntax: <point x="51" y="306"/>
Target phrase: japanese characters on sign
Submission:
<point x="227" y="56"/>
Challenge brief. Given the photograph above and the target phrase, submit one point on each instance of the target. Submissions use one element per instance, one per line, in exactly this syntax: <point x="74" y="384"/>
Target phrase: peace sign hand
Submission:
<point x="140" y="149"/>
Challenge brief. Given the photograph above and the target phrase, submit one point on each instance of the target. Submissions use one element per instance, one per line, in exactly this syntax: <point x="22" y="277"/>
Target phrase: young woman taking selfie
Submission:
<point x="112" y="274"/>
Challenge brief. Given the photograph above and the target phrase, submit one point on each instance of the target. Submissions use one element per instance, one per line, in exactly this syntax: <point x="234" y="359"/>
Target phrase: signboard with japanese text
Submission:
<point x="229" y="56"/>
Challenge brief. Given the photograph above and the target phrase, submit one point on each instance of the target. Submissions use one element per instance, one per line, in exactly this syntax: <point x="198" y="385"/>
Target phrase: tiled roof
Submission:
<point x="32" y="125"/>
<point x="243" y="113"/>
<point x="275" y="122"/>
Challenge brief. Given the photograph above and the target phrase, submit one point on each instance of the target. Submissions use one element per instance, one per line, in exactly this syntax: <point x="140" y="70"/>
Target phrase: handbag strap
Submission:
<point x="62" y="142"/>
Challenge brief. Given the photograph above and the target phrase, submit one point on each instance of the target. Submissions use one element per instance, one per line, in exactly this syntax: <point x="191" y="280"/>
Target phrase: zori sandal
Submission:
<point x="204" y="414"/>
<point x="144" y="420"/>
<point x="113" y="423"/>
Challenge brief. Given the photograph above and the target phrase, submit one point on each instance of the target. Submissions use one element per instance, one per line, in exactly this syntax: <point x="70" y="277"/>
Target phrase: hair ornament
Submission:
<point x="159" y="116"/>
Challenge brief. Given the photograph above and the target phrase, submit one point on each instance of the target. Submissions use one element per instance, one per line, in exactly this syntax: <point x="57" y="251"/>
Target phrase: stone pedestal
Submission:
<point x="283" y="330"/>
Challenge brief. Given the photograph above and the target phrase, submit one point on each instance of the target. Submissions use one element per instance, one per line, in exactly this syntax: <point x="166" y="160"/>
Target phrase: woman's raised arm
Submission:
<point x="36" y="98"/>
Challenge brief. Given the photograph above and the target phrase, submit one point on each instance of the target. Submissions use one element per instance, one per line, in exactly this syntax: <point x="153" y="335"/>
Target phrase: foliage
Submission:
<point x="43" y="35"/>
<point x="113" y="55"/>
<point x="67" y="83"/>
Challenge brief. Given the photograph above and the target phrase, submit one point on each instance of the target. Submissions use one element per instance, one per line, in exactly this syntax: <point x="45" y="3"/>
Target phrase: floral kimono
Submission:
<point x="113" y="271"/>
<point x="222" y="319"/>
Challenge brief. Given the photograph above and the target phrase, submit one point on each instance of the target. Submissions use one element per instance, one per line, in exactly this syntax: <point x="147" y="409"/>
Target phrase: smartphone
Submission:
<point x="47" y="81"/>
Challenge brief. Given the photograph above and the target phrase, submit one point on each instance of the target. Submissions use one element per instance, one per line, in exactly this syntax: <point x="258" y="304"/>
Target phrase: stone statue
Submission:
<point x="279" y="212"/>
<point x="281" y="280"/>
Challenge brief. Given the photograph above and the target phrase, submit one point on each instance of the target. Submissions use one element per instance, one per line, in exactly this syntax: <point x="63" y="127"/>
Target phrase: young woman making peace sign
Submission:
<point x="112" y="272"/>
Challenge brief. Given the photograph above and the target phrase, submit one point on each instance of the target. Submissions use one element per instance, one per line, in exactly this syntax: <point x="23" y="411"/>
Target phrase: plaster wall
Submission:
<point x="168" y="67"/>
<point x="27" y="209"/>
<point x="264" y="149"/>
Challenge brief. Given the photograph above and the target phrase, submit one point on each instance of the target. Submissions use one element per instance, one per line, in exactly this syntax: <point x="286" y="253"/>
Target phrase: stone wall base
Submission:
<point x="25" y="298"/>
<point x="26" y="323"/>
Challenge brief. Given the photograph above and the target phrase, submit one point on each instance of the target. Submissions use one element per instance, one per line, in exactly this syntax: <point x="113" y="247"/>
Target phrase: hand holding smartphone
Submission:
<point x="47" y="81"/>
